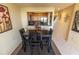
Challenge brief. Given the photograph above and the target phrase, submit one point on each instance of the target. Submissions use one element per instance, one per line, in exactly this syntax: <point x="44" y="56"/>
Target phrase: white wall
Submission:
<point x="74" y="36"/>
<point x="24" y="11"/>
<point x="11" y="39"/>
<point x="65" y="47"/>
<point x="71" y="46"/>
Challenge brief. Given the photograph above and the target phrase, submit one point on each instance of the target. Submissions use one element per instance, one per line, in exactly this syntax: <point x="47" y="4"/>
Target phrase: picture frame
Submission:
<point x="75" y="26"/>
<point x="5" y="21"/>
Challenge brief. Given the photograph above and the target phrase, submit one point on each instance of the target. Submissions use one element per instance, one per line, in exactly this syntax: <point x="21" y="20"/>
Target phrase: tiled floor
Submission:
<point x="36" y="51"/>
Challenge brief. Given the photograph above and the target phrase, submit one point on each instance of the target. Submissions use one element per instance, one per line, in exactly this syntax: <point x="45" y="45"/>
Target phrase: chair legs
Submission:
<point x="31" y="50"/>
<point x="49" y="46"/>
<point x="41" y="46"/>
<point x="24" y="46"/>
<point x="48" y="49"/>
<point x="39" y="51"/>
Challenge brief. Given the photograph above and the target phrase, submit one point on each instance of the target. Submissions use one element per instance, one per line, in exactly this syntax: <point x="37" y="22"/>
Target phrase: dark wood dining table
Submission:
<point x="43" y="32"/>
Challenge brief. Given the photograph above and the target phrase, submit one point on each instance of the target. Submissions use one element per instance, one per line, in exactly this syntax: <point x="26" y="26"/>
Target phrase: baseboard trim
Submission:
<point x="15" y="52"/>
<point x="57" y="52"/>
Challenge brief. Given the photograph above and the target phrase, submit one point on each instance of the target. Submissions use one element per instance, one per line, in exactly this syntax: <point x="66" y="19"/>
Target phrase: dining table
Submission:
<point x="44" y="34"/>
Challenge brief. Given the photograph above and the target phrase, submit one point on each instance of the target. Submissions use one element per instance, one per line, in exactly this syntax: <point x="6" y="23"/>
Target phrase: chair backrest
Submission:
<point x="34" y="36"/>
<point x="39" y="35"/>
<point x="50" y="31"/>
<point x="22" y="30"/>
<point x="21" y="33"/>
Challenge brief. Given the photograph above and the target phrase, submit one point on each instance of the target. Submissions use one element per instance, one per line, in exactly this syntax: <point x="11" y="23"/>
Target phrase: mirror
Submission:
<point x="75" y="26"/>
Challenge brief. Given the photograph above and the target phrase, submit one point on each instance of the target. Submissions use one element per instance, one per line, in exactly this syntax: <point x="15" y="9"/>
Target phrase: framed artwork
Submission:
<point x="5" y="21"/>
<point x="75" y="26"/>
<point x="66" y="18"/>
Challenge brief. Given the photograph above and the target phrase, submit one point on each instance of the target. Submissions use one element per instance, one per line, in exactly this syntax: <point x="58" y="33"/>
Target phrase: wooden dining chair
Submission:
<point x="23" y="39"/>
<point x="47" y="39"/>
<point x="34" y="41"/>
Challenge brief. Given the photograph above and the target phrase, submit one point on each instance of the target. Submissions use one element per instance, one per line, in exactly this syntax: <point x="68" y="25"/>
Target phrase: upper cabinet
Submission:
<point x="39" y="18"/>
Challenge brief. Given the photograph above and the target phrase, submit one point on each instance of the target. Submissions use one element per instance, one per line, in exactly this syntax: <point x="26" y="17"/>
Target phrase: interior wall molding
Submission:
<point x="57" y="52"/>
<point x="15" y="52"/>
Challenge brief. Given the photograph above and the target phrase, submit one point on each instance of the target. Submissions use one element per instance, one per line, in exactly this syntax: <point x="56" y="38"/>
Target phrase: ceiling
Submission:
<point x="56" y="5"/>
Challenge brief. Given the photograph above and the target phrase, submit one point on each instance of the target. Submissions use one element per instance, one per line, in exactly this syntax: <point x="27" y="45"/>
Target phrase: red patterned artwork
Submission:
<point x="5" y="22"/>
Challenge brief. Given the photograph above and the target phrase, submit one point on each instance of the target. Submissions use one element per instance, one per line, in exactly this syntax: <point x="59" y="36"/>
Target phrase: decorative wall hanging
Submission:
<point x="66" y="18"/>
<point x="75" y="26"/>
<point x="5" y="22"/>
